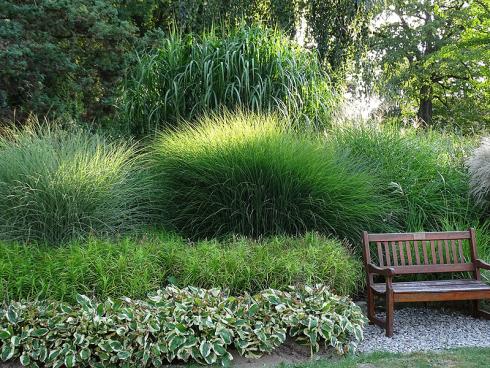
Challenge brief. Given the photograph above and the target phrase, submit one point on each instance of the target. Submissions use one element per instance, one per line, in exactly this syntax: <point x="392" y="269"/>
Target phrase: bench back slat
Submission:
<point x="431" y="252"/>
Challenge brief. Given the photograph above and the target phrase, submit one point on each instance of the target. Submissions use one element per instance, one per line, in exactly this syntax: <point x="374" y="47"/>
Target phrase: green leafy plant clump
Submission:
<point x="57" y="185"/>
<point x="176" y="325"/>
<point x="134" y="267"/>
<point x="251" y="67"/>
<point x="248" y="174"/>
<point x="423" y="173"/>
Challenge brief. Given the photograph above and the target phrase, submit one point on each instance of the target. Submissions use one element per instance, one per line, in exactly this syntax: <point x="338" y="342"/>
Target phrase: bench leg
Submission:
<point x="389" y="314"/>
<point x="370" y="306"/>
<point x="475" y="304"/>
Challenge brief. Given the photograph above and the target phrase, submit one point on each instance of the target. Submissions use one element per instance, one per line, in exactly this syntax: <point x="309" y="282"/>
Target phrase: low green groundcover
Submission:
<point x="176" y="325"/>
<point x="134" y="266"/>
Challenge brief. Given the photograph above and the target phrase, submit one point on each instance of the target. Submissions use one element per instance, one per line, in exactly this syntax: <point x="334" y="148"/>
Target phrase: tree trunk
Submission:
<point x="425" y="105"/>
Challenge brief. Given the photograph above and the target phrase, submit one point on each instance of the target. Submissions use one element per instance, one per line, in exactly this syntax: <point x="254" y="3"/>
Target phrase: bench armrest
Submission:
<point x="481" y="264"/>
<point x="385" y="271"/>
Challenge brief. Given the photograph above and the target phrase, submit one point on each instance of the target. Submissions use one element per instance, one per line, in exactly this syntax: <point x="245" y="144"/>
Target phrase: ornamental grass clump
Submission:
<point x="248" y="174"/>
<point x="58" y="185"/>
<point x="479" y="169"/>
<point x="251" y="67"/>
<point x="423" y="174"/>
<point x="173" y="325"/>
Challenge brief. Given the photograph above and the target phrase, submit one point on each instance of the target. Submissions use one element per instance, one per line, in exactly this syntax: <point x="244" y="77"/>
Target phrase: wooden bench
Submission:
<point x="422" y="253"/>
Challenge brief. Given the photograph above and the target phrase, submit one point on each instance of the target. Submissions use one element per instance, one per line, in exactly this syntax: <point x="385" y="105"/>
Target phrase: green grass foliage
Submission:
<point x="247" y="174"/>
<point x="58" y="185"/>
<point x="422" y="172"/>
<point x="251" y="68"/>
<point x="134" y="267"/>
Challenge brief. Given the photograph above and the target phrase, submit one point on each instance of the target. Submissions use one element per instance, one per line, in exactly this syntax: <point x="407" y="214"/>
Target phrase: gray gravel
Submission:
<point x="423" y="329"/>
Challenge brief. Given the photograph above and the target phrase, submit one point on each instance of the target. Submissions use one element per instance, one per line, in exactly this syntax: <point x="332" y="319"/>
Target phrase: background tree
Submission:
<point x="434" y="56"/>
<point x="67" y="56"/>
<point x="61" y="56"/>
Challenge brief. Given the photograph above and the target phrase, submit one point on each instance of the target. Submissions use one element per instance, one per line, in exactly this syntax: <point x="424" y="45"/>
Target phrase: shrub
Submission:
<point x="174" y="324"/>
<point x="479" y="169"/>
<point x="133" y="267"/>
<point x="252" y="68"/>
<point x="246" y="174"/>
<point x="422" y="172"/>
<point x="57" y="185"/>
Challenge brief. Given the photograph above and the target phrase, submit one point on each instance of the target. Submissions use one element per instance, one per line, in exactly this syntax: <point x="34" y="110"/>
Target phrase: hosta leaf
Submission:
<point x="39" y="332"/>
<point x="252" y="310"/>
<point x="219" y="349"/>
<point x="175" y="343"/>
<point x="205" y="348"/>
<point x="225" y="334"/>
<point x="115" y="345"/>
<point x="65" y="308"/>
<point x="12" y="315"/>
<point x="211" y="358"/>
<point x="70" y="360"/>
<point x="83" y="300"/>
<point x="25" y="359"/>
<point x="7" y="352"/>
<point x="85" y="354"/>
<point x="157" y="362"/>
<point x="124" y="354"/>
<point x="358" y="333"/>
<point x="4" y="334"/>
<point x="15" y="340"/>
<point x="53" y="354"/>
<point x="105" y="346"/>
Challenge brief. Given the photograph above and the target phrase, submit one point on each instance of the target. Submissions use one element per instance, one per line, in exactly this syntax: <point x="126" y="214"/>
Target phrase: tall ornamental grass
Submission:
<point x="479" y="168"/>
<point x="423" y="172"/>
<point x="58" y="185"/>
<point x="248" y="174"/>
<point x="252" y="68"/>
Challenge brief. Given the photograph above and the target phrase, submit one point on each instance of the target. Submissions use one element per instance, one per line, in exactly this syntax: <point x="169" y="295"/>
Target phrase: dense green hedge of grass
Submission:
<point x="133" y="267"/>
<point x="423" y="172"/>
<point x="249" y="175"/>
<point x="250" y="68"/>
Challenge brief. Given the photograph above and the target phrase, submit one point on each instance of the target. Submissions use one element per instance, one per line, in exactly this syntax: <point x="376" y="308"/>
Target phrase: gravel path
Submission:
<point x="421" y="329"/>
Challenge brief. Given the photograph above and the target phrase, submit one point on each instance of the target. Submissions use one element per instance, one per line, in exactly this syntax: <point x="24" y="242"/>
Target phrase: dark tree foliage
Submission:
<point x="67" y="56"/>
<point x="61" y="56"/>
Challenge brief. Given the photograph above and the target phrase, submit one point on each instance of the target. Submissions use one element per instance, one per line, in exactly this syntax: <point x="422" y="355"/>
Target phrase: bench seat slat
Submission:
<point x="441" y="286"/>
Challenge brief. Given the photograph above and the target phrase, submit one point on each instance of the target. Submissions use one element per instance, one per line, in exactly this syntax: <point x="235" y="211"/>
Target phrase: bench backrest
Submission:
<point x="412" y="253"/>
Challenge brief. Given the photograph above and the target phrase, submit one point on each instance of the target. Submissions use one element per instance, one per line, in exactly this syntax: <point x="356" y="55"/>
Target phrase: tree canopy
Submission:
<point x="434" y="57"/>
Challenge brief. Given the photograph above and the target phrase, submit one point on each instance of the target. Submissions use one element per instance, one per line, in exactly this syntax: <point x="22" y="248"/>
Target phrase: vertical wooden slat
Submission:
<point x="424" y="250"/>
<point x="455" y="255"/>
<point x="380" y="254"/>
<point x="409" y="252"/>
<point x="416" y="247"/>
<point x="402" y="254"/>
<point x="433" y="252"/>
<point x="395" y="253"/>
<point x="474" y="257"/>
<point x="460" y="249"/>
<point x="439" y="248"/>
<point x="448" y="253"/>
<point x="387" y="253"/>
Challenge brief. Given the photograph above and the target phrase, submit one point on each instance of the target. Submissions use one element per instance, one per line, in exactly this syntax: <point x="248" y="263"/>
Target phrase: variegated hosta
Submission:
<point x="175" y="324"/>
